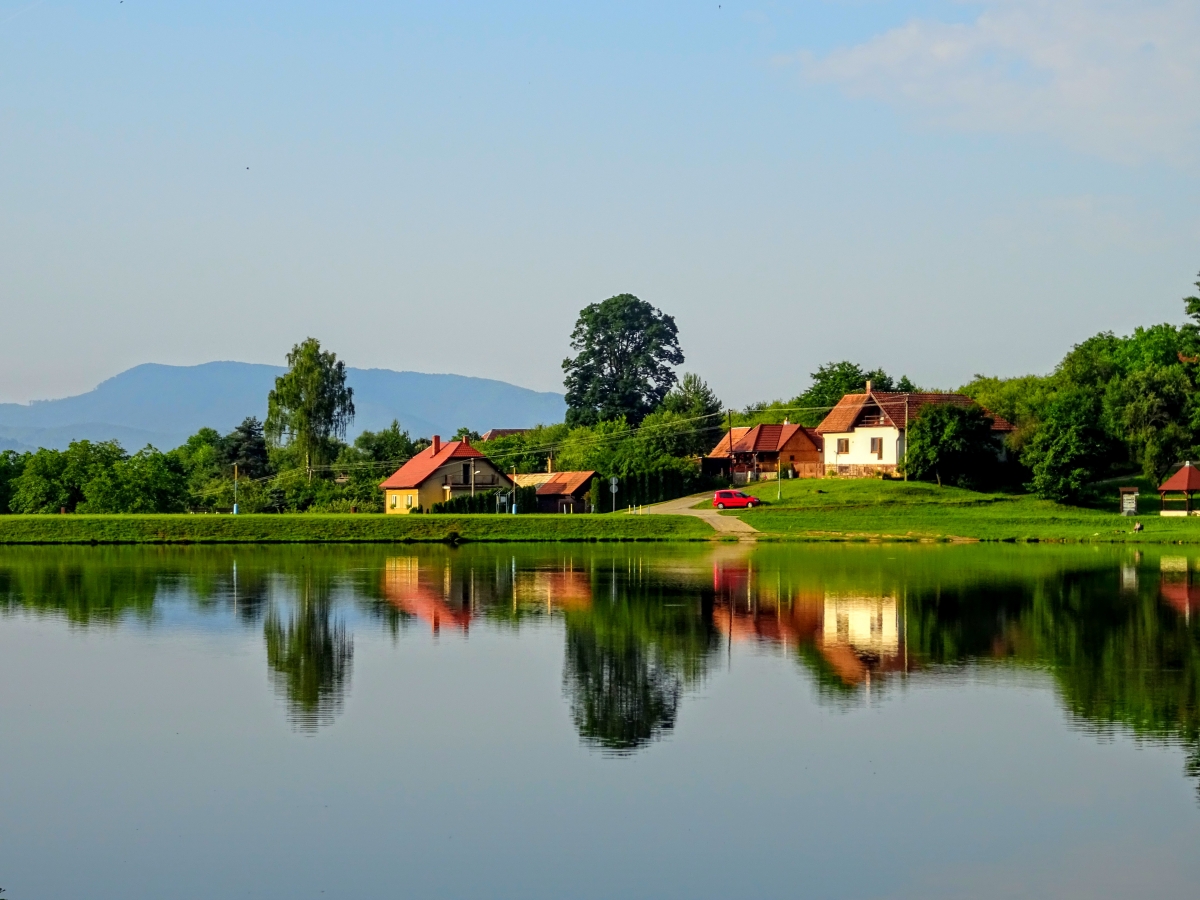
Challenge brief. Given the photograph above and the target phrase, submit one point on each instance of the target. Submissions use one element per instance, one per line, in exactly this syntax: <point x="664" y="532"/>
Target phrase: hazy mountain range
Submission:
<point x="162" y="405"/>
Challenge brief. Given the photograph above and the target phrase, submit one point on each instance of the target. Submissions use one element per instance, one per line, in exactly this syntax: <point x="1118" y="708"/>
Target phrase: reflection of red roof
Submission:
<point x="1183" y="597"/>
<point x="427" y="462"/>
<point x="564" y="483"/>
<point x="1186" y="479"/>
<point x="897" y="409"/>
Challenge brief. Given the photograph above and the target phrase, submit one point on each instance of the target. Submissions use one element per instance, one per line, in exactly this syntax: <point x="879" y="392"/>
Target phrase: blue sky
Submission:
<point x="940" y="188"/>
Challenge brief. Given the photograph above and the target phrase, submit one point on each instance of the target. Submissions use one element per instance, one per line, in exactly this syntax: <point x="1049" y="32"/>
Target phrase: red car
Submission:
<point x="734" y="500"/>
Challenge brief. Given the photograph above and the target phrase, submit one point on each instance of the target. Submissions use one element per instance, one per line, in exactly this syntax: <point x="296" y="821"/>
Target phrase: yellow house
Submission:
<point x="438" y="473"/>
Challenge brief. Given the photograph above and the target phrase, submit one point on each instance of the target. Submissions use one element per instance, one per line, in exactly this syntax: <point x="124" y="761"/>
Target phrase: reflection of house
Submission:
<point x="864" y="434"/>
<point x="747" y="454"/>
<point x="439" y="473"/>
<point x="566" y="588"/>
<point x="1175" y="585"/>
<point x="559" y="492"/>
<point x="855" y="635"/>
<point x="430" y="593"/>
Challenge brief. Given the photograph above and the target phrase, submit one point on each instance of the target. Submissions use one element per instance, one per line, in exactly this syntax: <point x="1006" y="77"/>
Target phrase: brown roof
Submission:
<point x="533" y="479"/>
<point x="429" y="461"/>
<point x="564" y="483"/>
<point x="722" y="449"/>
<point x="897" y="408"/>
<point x="1186" y="479"/>
<point x="492" y="433"/>
<point x="768" y="438"/>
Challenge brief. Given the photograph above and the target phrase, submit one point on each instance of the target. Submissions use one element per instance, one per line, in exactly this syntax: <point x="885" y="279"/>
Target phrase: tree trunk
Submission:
<point x="938" y="472"/>
<point x="308" y="464"/>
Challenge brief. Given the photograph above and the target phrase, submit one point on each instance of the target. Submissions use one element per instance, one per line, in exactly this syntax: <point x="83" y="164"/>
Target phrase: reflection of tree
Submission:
<point x="629" y="661"/>
<point x="623" y="693"/>
<point x="86" y="585"/>
<point x="310" y="656"/>
<point x="1121" y="657"/>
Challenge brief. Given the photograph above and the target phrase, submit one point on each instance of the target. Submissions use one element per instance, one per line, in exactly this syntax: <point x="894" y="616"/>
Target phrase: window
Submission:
<point x="466" y="473"/>
<point x="407" y="500"/>
<point x="393" y="501"/>
<point x="843" y="445"/>
<point x="877" y="447"/>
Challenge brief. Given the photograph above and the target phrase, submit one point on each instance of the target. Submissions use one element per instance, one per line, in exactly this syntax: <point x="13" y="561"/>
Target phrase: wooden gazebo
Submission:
<point x="1187" y="482"/>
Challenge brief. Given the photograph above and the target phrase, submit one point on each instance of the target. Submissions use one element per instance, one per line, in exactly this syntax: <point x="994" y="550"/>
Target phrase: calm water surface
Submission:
<point x="905" y="721"/>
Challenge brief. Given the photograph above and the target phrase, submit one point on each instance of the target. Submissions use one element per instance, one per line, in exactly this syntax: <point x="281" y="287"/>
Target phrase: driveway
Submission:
<point x="721" y="523"/>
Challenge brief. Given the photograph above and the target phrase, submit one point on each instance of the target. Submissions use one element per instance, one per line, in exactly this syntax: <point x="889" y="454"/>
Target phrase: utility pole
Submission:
<point x="729" y="413"/>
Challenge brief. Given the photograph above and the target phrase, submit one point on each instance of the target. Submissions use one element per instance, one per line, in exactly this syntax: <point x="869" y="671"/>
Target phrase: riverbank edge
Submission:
<point x="344" y="529"/>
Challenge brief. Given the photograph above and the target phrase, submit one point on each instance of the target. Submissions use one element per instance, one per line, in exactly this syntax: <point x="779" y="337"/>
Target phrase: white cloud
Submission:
<point x="1118" y="78"/>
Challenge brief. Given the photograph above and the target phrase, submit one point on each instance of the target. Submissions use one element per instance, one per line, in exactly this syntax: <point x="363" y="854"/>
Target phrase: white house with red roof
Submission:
<point x="439" y="473"/>
<point x="864" y="434"/>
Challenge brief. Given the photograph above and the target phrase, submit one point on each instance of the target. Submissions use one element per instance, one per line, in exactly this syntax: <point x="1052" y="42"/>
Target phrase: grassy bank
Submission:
<point x="224" y="529"/>
<point x="867" y="508"/>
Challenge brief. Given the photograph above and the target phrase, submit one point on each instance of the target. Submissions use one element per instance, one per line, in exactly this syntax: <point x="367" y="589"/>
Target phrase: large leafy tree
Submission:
<point x="1069" y="449"/>
<point x="311" y="405"/>
<point x="950" y="444"/>
<point x="12" y="464"/>
<point x="625" y="349"/>
<point x="694" y="401"/>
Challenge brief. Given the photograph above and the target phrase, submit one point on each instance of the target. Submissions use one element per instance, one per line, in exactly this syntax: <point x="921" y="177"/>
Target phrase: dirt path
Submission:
<point x="720" y="523"/>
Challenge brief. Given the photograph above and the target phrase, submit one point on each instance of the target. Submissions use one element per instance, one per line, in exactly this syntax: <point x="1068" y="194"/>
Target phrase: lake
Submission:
<point x="875" y="721"/>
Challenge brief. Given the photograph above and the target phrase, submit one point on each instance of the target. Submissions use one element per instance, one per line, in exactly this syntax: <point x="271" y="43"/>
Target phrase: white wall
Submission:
<point x="860" y="447"/>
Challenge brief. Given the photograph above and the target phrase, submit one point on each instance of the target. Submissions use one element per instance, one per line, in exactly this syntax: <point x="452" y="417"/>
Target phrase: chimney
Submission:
<point x="550" y="465"/>
<point x="437" y="444"/>
<point x="868" y="387"/>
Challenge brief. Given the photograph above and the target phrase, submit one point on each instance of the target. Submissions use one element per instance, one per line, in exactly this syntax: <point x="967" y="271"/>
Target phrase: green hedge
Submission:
<point x="360" y="528"/>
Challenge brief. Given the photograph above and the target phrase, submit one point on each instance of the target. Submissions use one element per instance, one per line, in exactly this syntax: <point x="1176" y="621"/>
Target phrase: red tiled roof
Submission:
<point x="426" y="463"/>
<point x="563" y="483"/>
<point x="769" y="438"/>
<point x="898" y="409"/>
<point x="721" y="451"/>
<point x="1186" y="479"/>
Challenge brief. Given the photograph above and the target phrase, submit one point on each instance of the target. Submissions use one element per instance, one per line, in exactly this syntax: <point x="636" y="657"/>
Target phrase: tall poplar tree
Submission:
<point x="310" y="404"/>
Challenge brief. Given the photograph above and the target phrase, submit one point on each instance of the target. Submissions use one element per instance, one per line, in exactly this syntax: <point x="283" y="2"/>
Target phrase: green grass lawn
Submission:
<point x="837" y="508"/>
<point x="362" y="528"/>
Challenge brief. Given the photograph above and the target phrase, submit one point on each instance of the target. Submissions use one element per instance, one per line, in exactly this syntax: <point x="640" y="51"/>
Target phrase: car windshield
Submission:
<point x="739" y="494"/>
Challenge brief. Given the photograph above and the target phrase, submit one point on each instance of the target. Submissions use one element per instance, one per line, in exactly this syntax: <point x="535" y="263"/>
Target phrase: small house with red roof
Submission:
<point x="438" y="473"/>
<point x="764" y="451"/>
<point x="864" y="434"/>
<point x="1184" y="484"/>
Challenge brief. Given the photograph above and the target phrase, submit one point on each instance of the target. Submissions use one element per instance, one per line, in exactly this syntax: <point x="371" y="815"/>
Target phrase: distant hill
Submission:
<point x="162" y="405"/>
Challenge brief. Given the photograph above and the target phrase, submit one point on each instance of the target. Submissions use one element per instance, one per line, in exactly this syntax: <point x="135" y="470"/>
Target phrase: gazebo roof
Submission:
<point x="1186" y="479"/>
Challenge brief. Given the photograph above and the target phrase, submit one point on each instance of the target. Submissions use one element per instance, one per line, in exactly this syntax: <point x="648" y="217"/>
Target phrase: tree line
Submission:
<point x="1114" y="406"/>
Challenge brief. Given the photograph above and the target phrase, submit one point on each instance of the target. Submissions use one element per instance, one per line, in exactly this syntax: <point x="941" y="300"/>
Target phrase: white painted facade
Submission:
<point x="858" y="447"/>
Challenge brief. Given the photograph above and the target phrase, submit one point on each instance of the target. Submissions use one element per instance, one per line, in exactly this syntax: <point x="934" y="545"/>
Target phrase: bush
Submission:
<point x="951" y="444"/>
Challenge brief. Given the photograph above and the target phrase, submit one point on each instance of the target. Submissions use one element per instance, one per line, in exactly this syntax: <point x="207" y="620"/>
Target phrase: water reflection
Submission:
<point x="1115" y="631"/>
<point x="309" y="655"/>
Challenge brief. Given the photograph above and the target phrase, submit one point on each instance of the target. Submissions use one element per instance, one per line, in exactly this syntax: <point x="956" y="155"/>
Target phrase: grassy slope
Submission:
<point x="73" y="529"/>
<point x="832" y="508"/>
